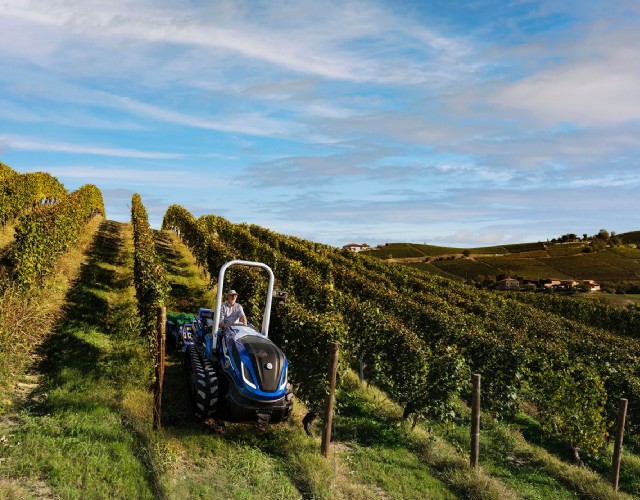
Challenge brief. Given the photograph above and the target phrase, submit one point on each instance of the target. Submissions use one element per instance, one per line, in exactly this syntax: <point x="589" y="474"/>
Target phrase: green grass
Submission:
<point x="500" y="459"/>
<point x="631" y="253"/>
<point x="413" y="250"/>
<point x="394" y="472"/>
<point x="370" y="430"/>
<point x="368" y="422"/>
<point x="28" y="316"/>
<point x="70" y="433"/>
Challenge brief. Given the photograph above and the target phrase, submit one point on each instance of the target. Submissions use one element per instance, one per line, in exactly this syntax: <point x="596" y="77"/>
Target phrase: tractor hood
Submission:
<point x="267" y="361"/>
<point x="259" y="365"/>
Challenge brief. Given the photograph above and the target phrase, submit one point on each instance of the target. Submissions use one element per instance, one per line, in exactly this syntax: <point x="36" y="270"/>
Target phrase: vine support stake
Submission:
<point x="161" y="322"/>
<point x="475" y="421"/>
<point x="333" y="372"/>
<point x="617" y="450"/>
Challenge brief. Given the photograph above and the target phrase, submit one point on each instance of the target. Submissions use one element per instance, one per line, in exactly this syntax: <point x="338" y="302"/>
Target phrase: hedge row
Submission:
<point x="149" y="275"/>
<point x="20" y="193"/>
<point x="48" y="231"/>
<point x="5" y="171"/>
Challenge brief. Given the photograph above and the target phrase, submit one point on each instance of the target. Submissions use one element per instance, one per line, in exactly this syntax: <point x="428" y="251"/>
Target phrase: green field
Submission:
<point x="562" y="250"/>
<point x="414" y="250"/>
<point x="600" y="266"/>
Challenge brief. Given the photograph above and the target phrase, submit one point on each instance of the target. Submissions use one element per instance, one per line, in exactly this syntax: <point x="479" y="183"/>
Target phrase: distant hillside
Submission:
<point x="615" y="267"/>
<point x="414" y="250"/>
<point x="630" y="237"/>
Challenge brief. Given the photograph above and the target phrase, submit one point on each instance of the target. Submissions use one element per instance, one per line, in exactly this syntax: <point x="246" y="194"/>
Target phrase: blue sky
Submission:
<point x="463" y="123"/>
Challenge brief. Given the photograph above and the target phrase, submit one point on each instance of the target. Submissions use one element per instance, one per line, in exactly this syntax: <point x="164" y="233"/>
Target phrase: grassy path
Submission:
<point x="71" y="437"/>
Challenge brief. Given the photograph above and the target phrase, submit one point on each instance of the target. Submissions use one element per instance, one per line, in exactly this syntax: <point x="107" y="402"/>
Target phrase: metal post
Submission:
<point x="617" y="450"/>
<point x="333" y="371"/>
<point x="161" y="322"/>
<point x="475" y="421"/>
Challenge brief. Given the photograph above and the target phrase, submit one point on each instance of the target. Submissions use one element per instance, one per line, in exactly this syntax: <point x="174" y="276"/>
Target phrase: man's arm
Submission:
<point x="222" y="315"/>
<point x="243" y="317"/>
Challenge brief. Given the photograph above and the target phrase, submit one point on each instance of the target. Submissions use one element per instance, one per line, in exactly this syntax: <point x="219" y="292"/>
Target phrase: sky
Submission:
<point x="461" y="123"/>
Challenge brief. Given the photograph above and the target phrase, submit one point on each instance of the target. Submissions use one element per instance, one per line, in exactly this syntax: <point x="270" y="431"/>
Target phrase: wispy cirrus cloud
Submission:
<point x="332" y="48"/>
<point x="29" y="144"/>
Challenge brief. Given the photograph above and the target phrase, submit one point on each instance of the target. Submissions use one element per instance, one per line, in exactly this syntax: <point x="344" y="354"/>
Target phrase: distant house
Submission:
<point x="356" y="247"/>
<point x="595" y="287"/>
<point x="557" y="285"/>
<point x="508" y="284"/>
<point x="568" y="284"/>
<point x="551" y="283"/>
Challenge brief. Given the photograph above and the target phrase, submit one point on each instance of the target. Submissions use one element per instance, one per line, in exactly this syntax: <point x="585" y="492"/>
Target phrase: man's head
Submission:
<point x="232" y="295"/>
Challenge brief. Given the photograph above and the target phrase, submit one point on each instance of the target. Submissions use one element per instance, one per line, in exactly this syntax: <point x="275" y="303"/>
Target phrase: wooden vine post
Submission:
<point x="161" y="322"/>
<point x="475" y="421"/>
<point x="617" y="450"/>
<point x="333" y="372"/>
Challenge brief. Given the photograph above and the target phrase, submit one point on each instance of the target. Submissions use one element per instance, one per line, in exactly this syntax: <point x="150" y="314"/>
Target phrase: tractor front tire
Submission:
<point x="202" y="385"/>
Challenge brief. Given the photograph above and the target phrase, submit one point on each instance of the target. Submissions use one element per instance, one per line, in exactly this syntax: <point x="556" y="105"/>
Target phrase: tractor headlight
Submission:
<point x="246" y="376"/>
<point x="284" y="382"/>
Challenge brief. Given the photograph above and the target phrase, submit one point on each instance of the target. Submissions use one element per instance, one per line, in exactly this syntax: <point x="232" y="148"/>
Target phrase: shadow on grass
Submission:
<point x="170" y="258"/>
<point x="85" y="360"/>
<point x="84" y="310"/>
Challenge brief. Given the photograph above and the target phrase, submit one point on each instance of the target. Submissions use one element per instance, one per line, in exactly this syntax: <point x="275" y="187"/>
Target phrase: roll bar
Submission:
<point x="267" y="305"/>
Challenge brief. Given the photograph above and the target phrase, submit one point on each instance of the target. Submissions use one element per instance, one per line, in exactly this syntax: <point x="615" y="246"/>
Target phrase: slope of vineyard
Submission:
<point x="418" y="347"/>
<point x="281" y="462"/>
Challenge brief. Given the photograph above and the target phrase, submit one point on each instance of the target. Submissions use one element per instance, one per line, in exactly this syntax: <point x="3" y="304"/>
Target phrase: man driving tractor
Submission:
<point x="231" y="312"/>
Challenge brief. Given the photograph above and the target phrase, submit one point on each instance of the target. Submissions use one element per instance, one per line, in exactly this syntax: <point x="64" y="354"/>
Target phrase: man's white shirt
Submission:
<point x="230" y="314"/>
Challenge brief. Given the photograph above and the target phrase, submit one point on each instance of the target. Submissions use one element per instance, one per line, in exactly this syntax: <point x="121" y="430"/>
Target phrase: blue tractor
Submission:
<point x="236" y="374"/>
<point x="180" y="330"/>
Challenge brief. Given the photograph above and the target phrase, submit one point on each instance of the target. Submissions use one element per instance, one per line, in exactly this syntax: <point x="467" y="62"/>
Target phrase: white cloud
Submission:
<point x="313" y="38"/>
<point x="29" y="144"/>
<point x="249" y="123"/>
<point x="589" y="79"/>
<point x="585" y="94"/>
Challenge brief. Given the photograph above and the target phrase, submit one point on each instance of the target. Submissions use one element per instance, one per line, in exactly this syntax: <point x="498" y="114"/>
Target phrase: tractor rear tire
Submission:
<point x="202" y="384"/>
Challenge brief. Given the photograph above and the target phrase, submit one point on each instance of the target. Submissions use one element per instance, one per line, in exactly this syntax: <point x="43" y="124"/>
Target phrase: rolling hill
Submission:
<point x="614" y="267"/>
